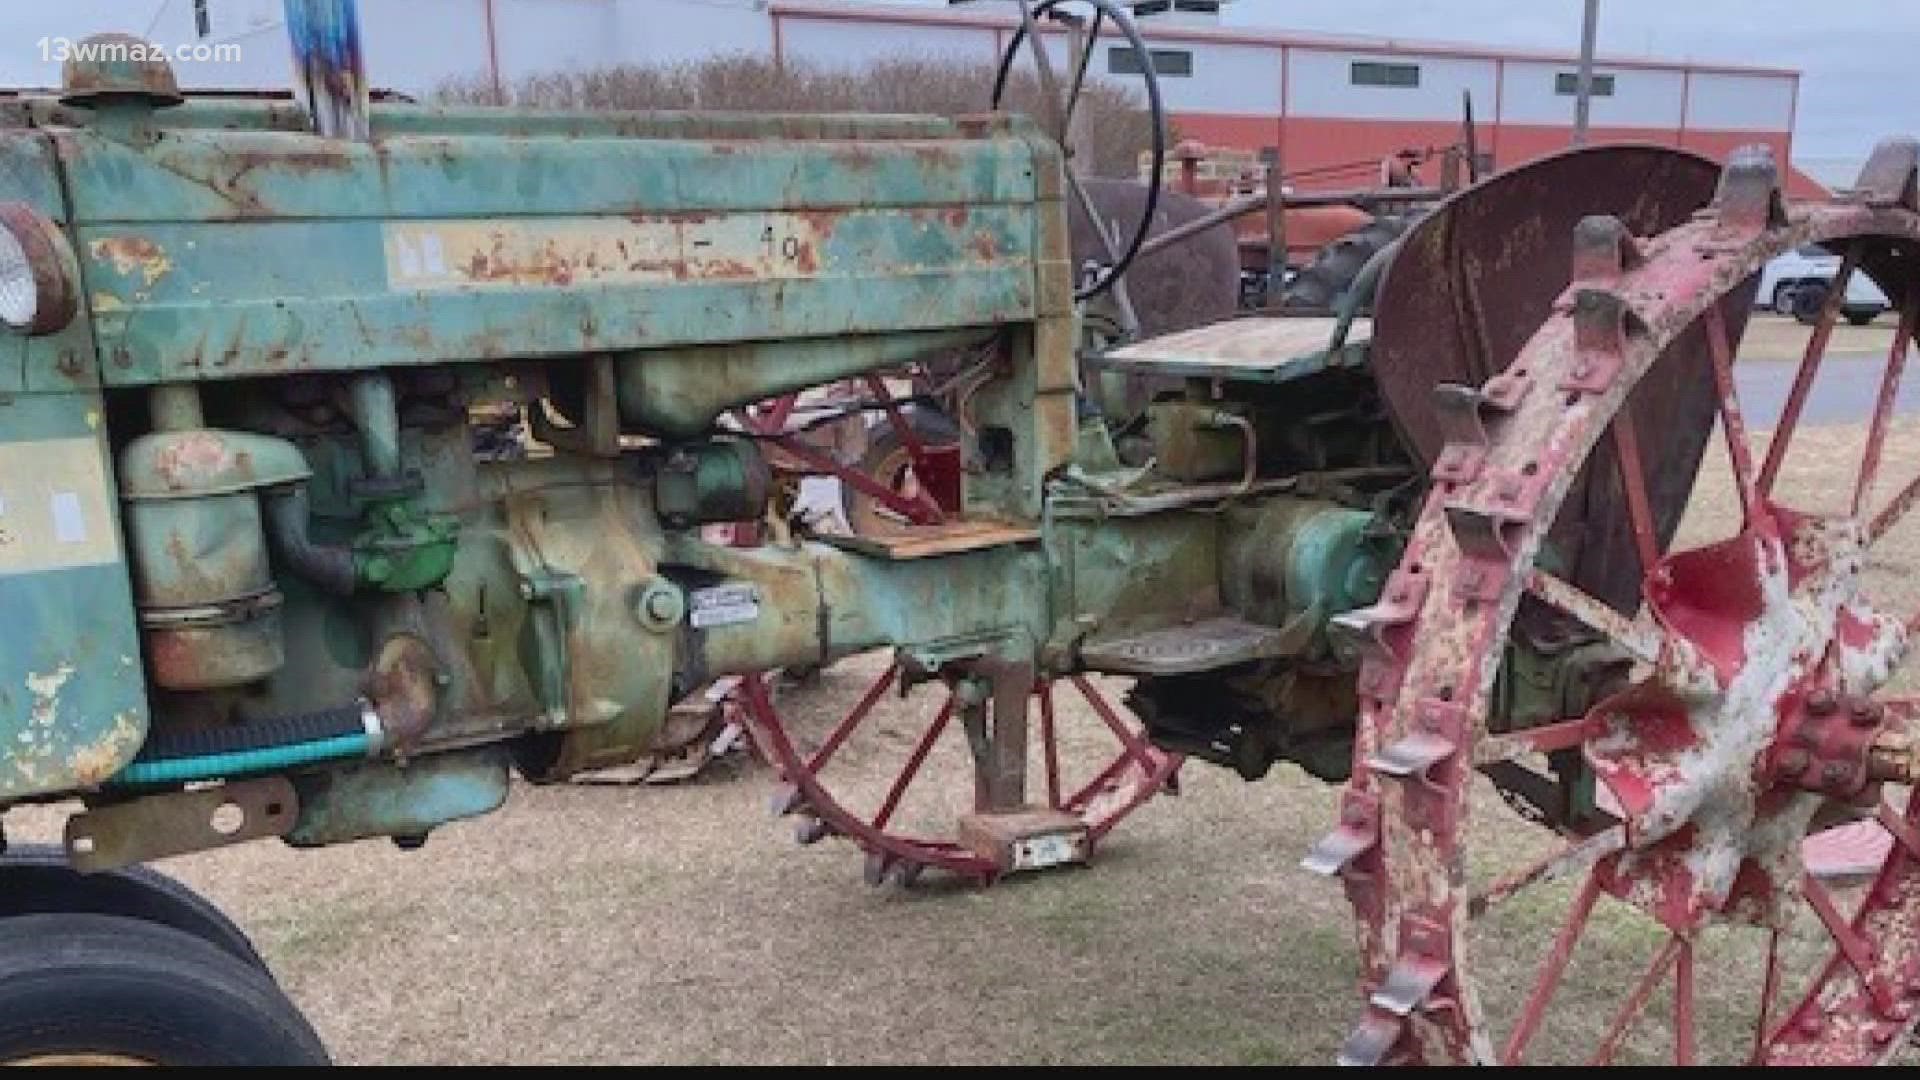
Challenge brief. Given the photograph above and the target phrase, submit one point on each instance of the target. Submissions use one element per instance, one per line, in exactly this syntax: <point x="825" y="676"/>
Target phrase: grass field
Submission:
<point x="682" y="925"/>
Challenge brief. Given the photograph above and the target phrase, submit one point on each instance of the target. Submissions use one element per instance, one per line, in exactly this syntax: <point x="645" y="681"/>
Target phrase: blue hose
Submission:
<point x="243" y="762"/>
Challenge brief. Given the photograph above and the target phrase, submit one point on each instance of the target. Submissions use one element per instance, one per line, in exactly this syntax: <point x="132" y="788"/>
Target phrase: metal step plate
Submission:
<point x="1181" y="650"/>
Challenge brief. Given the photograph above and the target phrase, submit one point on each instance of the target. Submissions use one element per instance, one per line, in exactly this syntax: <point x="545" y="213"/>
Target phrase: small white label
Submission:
<point x="1041" y="852"/>
<point x="723" y="605"/>
<point x="69" y="520"/>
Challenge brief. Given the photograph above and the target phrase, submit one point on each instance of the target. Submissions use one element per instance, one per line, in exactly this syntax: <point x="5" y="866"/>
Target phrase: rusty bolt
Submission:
<point x="1820" y="702"/>
<point x="1794" y="761"/>
<point x="1865" y="714"/>
<point x="1811" y="1024"/>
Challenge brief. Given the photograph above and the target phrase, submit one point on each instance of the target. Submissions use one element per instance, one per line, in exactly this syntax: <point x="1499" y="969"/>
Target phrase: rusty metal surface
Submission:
<point x="1478" y="275"/>
<point x="1712" y="816"/>
<point x="158" y="826"/>
<point x="110" y="65"/>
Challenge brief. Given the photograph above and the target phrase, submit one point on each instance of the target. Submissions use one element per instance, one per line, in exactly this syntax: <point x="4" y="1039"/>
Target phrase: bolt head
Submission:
<point x="1820" y="702"/>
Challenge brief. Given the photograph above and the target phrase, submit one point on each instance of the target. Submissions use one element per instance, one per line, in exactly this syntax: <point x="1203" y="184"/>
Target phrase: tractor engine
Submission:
<point x="342" y="475"/>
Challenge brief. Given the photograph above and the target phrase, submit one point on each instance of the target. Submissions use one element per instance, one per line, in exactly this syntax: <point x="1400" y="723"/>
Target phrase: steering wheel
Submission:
<point x="1058" y="118"/>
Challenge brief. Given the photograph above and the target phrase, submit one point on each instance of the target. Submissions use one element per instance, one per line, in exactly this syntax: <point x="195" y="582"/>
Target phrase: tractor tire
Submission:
<point x="86" y="989"/>
<point x="1809" y="300"/>
<point x="1783" y="297"/>
<point x="36" y="879"/>
<point x="1319" y="286"/>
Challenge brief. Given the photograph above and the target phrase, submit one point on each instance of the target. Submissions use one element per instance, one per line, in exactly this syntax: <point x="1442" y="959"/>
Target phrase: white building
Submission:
<point x="1315" y="99"/>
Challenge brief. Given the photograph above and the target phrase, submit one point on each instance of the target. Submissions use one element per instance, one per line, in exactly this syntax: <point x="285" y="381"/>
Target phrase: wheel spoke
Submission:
<point x="1110" y="245"/>
<point x="1770" y="986"/>
<point x="1883" y="407"/>
<point x="1135" y="746"/>
<point x="912" y="769"/>
<point x="1573" y="858"/>
<point x="1853" y="947"/>
<point x="1086" y="60"/>
<point x="1043" y="67"/>
<point x="1543" y="739"/>
<point x="1050" y="744"/>
<point x="1636" y="1002"/>
<point x="1809" y="367"/>
<point x="1643" y="643"/>
<point x="1551" y="970"/>
<point x="1683" y="1047"/>
<point x="1732" y="424"/>
<point x="1899" y="828"/>
<point x="920" y="511"/>
<point x="852" y="720"/>
<point x="1894" y="511"/>
<point x="1633" y="479"/>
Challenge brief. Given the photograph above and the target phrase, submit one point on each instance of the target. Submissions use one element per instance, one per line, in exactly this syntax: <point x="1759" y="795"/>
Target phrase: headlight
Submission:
<point x="36" y="272"/>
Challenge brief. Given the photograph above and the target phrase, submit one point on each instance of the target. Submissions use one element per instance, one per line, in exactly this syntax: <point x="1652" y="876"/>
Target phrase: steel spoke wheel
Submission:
<point x="1059" y="106"/>
<point x="916" y="782"/>
<point x="1743" y="697"/>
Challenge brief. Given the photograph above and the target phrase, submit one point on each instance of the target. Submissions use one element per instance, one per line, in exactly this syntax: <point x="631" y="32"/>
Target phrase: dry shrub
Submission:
<point x="1117" y="124"/>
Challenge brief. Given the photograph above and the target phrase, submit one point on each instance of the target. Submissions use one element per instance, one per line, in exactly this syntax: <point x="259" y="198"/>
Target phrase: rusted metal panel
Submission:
<point x="158" y="826"/>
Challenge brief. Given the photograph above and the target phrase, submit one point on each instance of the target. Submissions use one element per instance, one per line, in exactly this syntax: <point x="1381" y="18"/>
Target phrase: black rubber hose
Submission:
<point x="289" y="519"/>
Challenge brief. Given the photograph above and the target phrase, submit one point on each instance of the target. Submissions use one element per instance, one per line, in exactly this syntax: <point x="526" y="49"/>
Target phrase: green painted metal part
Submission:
<point x="281" y="336"/>
<point x="408" y="801"/>
<point x="73" y="704"/>
<point x="244" y="762"/>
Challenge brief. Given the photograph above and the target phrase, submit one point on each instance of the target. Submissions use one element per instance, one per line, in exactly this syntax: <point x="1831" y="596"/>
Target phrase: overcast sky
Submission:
<point x="1858" y="57"/>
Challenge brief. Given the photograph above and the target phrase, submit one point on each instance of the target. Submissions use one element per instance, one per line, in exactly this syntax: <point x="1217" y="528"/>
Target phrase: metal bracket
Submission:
<point x="176" y="823"/>
<point x="1602" y="322"/>
<point x="1603" y="251"/>
<point x="1891" y="176"/>
<point x="1749" y="199"/>
<point x="1424" y="962"/>
<point x="1358" y="832"/>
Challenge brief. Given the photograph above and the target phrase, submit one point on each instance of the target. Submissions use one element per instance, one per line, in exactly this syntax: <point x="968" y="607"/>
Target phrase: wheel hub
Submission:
<point x="1720" y="760"/>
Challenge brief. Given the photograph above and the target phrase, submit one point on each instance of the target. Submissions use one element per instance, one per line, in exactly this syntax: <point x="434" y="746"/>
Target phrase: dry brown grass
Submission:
<point x="1118" y="127"/>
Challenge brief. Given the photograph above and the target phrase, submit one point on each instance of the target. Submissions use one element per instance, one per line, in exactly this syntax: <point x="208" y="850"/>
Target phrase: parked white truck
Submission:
<point x="1799" y="282"/>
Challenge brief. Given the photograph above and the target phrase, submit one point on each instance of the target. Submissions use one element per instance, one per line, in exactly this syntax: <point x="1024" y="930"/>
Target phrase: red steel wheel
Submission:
<point x="1753" y="701"/>
<point x="913" y="792"/>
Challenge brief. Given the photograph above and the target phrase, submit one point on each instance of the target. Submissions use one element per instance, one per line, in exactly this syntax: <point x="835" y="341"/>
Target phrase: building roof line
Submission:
<point x="856" y="12"/>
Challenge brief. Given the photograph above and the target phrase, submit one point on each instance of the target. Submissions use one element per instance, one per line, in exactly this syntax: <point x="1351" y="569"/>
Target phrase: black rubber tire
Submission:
<point x="1782" y="299"/>
<point x="35" y="879"/>
<point x="106" y="985"/>
<point x="1809" y="300"/>
<point x="885" y="453"/>
<point x="1320" y="284"/>
<point x="1862" y="318"/>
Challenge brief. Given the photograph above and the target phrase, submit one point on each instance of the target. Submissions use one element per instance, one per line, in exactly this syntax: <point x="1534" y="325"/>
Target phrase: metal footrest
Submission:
<point x="1026" y="839"/>
<point x="1180" y="650"/>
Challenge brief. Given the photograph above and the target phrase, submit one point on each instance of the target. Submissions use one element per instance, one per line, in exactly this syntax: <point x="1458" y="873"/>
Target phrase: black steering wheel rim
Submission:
<point x="1156" y="109"/>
